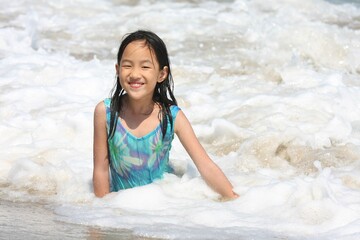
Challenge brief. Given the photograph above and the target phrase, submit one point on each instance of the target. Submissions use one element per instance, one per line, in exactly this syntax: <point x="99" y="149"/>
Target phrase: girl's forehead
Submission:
<point x="138" y="47"/>
<point x="139" y="43"/>
<point x="139" y="51"/>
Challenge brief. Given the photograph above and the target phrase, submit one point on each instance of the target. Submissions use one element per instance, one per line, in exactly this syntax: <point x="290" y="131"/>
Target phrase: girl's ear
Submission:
<point x="163" y="74"/>
<point x="117" y="69"/>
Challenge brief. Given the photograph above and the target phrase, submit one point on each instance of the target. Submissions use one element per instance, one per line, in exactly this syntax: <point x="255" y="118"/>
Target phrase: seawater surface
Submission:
<point x="271" y="88"/>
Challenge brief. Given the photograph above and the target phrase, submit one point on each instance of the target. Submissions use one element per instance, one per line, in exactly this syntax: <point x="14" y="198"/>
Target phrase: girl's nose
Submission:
<point x="135" y="73"/>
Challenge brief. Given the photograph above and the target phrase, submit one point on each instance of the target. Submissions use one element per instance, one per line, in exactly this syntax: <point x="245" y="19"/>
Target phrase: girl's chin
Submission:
<point x="139" y="95"/>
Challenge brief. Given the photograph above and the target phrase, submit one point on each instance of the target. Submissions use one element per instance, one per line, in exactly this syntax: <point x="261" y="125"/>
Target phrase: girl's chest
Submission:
<point x="140" y="126"/>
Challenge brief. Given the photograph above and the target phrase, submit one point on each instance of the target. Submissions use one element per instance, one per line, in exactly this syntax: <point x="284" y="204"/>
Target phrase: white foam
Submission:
<point x="270" y="87"/>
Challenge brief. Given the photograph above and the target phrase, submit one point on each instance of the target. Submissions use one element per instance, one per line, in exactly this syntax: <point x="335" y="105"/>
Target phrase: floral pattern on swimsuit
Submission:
<point x="137" y="161"/>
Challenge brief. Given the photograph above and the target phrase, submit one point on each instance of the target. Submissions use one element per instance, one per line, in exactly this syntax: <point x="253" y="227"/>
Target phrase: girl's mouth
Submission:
<point x="136" y="84"/>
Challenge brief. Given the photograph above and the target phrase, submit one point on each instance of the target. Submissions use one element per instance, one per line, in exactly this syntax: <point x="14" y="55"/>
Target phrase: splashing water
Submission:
<point x="270" y="87"/>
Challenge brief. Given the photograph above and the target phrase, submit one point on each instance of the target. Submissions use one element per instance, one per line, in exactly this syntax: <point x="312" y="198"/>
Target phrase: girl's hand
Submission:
<point x="209" y="171"/>
<point x="225" y="199"/>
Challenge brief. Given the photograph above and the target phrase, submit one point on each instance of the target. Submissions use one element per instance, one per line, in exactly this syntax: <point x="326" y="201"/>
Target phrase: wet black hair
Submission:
<point x="163" y="94"/>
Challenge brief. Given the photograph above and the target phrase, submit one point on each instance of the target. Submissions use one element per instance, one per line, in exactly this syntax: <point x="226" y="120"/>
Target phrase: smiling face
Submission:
<point x="139" y="71"/>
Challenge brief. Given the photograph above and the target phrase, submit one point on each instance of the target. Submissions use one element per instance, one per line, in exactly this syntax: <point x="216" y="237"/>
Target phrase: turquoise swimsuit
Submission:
<point x="138" y="161"/>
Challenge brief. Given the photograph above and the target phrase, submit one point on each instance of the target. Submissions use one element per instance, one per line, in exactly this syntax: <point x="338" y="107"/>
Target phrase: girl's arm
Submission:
<point x="101" y="161"/>
<point x="211" y="173"/>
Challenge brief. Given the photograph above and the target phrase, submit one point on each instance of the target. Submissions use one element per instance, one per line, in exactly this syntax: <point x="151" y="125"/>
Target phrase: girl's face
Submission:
<point x="139" y="71"/>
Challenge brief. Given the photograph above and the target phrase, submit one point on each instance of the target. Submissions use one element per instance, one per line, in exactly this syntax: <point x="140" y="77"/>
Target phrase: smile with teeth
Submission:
<point x="136" y="84"/>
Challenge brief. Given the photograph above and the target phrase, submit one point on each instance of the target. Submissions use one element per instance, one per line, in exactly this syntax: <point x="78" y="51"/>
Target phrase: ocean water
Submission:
<point x="271" y="88"/>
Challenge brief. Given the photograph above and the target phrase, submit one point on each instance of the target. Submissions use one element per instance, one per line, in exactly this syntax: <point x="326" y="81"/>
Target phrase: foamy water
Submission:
<point x="271" y="88"/>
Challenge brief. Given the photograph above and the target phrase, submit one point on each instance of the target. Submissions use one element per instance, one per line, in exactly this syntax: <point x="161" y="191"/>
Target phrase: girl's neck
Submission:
<point x="138" y="107"/>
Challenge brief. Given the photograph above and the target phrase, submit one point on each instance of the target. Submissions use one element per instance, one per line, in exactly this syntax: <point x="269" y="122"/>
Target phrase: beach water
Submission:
<point x="271" y="88"/>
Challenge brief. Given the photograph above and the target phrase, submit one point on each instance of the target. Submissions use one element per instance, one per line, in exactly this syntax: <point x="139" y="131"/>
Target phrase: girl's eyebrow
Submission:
<point x="142" y="61"/>
<point x="126" y="60"/>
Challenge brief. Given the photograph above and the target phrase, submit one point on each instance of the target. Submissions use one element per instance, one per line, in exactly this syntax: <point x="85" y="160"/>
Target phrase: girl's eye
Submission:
<point x="146" y="67"/>
<point x="126" y="66"/>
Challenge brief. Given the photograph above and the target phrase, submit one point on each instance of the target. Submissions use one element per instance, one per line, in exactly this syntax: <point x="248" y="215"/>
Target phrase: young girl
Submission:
<point x="134" y="129"/>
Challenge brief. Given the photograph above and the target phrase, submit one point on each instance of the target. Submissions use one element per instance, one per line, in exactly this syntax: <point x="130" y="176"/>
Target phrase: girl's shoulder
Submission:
<point x="174" y="109"/>
<point x="100" y="112"/>
<point x="100" y="107"/>
<point x="107" y="102"/>
<point x="103" y="107"/>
